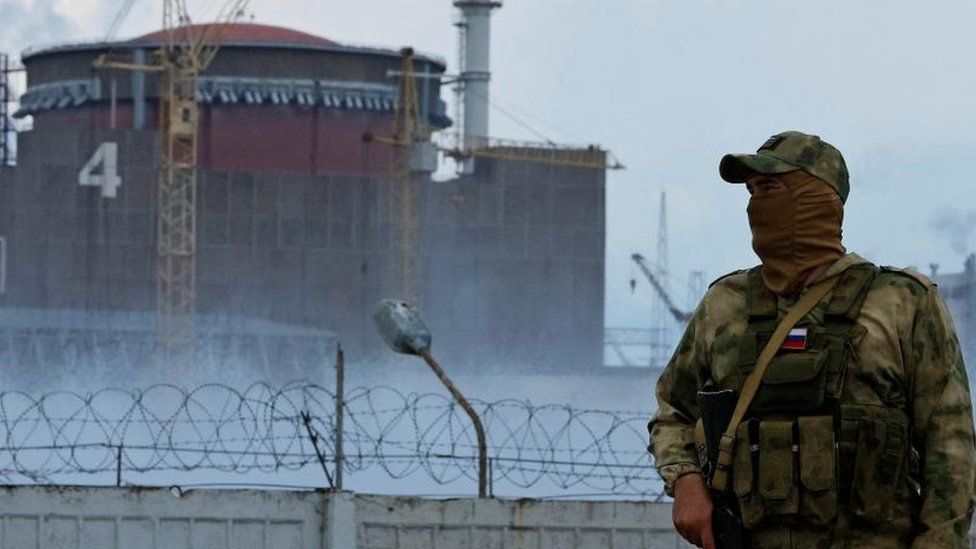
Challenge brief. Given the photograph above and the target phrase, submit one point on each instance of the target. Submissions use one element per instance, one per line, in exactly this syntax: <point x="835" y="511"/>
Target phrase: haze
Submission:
<point x="670" y="87"/>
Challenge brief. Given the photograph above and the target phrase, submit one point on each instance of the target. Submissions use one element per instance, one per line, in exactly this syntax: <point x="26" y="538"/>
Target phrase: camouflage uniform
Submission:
<point x="900" y="359"/>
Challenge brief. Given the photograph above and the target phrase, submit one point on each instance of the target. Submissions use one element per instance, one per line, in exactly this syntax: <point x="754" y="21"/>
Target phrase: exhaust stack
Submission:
<point x="475" y="70"/>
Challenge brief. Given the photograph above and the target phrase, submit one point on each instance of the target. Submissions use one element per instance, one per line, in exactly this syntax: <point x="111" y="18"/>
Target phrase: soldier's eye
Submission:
<point x="769" y="186"/>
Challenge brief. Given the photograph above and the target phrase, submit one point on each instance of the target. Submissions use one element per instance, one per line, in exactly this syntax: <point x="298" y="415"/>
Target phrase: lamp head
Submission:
<point x="402" y="327"/>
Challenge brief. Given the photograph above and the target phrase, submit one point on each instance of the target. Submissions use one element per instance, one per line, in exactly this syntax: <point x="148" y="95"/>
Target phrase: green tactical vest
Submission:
<point x="802" y="452"/>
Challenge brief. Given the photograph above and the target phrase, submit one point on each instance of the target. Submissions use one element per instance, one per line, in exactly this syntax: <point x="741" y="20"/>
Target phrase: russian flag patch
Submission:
<point x="796" y="340"/>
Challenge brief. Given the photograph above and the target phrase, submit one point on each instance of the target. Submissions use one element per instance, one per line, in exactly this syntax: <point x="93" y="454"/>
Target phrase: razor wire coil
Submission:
<point x="215" y="427"/>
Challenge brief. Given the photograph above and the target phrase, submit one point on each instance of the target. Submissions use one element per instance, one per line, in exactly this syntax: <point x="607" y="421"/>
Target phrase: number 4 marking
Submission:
<point x="107" y="156"/>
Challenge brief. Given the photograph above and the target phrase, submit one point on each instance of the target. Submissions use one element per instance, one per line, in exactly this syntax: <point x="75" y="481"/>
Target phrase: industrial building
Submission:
<point x="293" y="224"/>
<point x="959" y="292"/>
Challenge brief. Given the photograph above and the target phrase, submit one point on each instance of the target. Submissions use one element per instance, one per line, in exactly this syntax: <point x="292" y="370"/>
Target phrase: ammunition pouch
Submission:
<point x="877" y="470"/>
<point x="801" y="469"/>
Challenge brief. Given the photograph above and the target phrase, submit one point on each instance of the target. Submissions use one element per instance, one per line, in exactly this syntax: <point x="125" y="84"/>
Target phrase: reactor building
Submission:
<point x="293" y="222"/>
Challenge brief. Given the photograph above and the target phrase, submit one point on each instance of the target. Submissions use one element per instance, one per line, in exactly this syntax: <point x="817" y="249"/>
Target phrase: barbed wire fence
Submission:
<point x="217" y="428"/>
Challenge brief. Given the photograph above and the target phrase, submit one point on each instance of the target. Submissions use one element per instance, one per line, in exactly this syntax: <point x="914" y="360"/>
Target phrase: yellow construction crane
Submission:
<point x="410" y="141"/>
<point x="409" y="135"/>
<point x="185" y="54"/>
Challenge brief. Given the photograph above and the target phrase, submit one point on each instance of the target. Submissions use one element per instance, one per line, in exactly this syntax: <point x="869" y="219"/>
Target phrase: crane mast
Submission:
<point x="176" y="219"/>
<point x="412" y="153"/>
<point x="409" y="131"/>
<point x="183" y="56"/>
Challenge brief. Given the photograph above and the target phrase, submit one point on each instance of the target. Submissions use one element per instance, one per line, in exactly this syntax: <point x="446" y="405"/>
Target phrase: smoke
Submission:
<point x="33" y="22"/>
<point x="957" y="226"/>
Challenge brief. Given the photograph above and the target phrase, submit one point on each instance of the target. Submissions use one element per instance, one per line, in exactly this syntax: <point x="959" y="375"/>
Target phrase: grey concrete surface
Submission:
<point x="116" y="518"/>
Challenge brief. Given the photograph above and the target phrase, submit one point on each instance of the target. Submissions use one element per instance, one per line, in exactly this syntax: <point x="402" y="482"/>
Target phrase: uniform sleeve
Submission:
<point x="672" y="428"/>
<point x="943" y="422"/>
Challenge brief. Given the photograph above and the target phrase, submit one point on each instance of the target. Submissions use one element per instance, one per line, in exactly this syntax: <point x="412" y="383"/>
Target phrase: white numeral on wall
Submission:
<point x="106" y="158"/>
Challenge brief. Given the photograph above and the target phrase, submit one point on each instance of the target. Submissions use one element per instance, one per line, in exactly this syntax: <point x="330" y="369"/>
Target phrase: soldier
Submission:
<point x="860" y="433"/>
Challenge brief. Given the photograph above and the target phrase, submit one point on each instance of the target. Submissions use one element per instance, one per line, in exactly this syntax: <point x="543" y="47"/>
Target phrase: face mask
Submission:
<point x="796" y="230"/>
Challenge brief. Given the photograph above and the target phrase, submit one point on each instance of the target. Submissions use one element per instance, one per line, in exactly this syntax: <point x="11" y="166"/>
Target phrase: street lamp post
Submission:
<point x="405" y="332"/>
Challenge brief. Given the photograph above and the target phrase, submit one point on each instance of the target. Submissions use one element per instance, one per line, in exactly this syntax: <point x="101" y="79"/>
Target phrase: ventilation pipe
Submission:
<point x="475" y="70"/>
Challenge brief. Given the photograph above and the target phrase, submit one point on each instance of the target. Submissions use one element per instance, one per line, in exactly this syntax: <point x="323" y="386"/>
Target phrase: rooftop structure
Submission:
<point x="245" y="34"/>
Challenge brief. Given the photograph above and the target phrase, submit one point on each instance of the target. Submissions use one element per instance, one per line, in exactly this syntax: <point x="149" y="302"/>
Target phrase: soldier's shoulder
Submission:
<point x="904" y="276"/>
<point x="735" y="280"/>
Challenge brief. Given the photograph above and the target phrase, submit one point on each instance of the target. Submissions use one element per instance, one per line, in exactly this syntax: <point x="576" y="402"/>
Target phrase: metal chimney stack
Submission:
<point x="475" y="71"/>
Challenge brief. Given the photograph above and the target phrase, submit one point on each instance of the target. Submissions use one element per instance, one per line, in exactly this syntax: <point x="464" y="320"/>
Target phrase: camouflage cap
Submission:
<point x="786" y="152"/>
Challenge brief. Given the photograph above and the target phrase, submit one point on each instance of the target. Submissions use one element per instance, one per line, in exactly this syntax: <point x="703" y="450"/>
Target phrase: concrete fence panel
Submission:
<point x="413" y="523"/>
<point x="89" y="518"/>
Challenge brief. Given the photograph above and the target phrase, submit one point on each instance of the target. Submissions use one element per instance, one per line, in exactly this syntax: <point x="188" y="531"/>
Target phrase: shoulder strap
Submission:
<point x="850" y="292"/>
<point x="807" y="302"/>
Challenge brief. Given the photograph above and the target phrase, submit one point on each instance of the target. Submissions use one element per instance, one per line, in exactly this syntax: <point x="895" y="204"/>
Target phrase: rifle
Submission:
<point x="716" y="411"/>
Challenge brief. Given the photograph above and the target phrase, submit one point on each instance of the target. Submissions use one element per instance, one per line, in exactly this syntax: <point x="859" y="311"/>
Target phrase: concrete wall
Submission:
<point x="111" y="518"/>
<point x="522" y="246"/>
<point x="283" y="247"/>
<point x="69" y="247"/>
<point x="7" y="175"/>
<point x="510" y="266"/>
<point x="409" y="523"/>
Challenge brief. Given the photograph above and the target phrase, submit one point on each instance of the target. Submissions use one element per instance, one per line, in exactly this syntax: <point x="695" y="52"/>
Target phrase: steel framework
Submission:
<point x="409" y="135"/>
<point x="183" y="59"/>
<point x="176" y="222"/>
<point x="185" y="54"/>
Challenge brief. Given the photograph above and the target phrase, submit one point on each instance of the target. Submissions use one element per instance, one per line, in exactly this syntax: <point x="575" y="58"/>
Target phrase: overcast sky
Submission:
<point x="670" y="86"/>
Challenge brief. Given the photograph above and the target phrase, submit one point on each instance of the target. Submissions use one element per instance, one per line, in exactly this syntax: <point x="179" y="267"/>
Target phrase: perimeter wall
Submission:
<point x="58" y="517"/>
<point x="117" y="518"/>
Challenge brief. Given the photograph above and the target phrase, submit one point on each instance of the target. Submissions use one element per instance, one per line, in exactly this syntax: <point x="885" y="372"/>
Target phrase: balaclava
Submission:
<point x="796" y="231"/>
